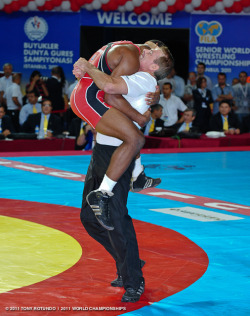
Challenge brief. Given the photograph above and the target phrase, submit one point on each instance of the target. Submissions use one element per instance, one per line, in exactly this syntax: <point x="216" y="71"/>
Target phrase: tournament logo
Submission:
<point x="208" y="31"/>
<point x="36" y="28"/>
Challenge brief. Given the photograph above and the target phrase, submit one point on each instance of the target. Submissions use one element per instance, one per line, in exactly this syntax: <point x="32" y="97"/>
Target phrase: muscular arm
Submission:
<point x="104" y="82"/>
<point x="123" y="61"/>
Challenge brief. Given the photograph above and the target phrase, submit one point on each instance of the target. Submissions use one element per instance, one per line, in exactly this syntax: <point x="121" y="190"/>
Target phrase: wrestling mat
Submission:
<point x="193" y="232"/>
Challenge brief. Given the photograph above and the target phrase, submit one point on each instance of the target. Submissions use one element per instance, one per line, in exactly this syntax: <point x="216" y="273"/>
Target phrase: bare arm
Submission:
<point x="33" y="83"/>
<point x="45" y="90"/>
<point x="107" y="83"/>
<point x="124" y="63"/>
<point x="127" y="63"/>
<point x="15" y="100"/>
<point x="1" y="97"/>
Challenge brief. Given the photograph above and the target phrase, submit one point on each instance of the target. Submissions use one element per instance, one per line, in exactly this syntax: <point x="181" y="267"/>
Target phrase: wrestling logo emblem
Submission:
<point x="36" y="28"/>
<point x="208" y="31"/>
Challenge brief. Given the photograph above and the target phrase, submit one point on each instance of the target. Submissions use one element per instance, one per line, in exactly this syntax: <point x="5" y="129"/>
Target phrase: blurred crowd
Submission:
<point x="198" y="106"/>
<point x="187" y="108"/>
<point x="43" y="111"/>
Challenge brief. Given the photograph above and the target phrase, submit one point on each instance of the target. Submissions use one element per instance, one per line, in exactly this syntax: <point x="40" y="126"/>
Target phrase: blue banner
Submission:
<point x="221" y="42"/>
<point x="40" y="41"/>
<point x="131" y="19"/>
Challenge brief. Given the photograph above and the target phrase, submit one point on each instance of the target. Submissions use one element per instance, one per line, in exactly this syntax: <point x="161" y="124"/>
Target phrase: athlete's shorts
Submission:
<point x="87" y="101"/>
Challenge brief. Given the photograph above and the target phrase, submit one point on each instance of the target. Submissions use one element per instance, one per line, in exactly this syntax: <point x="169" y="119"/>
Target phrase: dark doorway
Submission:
<point x="92" y="38"/>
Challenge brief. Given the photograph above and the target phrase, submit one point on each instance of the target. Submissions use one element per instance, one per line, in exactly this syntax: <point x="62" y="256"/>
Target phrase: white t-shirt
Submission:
<point x="5" y="83"/>
<point x="13" y="90"/>
<point x="139" y="84"/>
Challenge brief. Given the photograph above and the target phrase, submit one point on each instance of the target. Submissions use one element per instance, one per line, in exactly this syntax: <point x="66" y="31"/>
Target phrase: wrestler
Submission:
<point x="87" y="101"/>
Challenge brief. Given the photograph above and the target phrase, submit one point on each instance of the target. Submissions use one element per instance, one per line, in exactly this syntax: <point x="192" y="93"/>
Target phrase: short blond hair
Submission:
<point x="165" y="63"/>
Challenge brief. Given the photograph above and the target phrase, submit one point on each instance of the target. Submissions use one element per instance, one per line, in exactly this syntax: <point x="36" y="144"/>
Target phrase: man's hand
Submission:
<point x="49" y="134"/>
<point x="145" y="118"/>
<point x="153" y="97"/>
<point x="80" y="67"/>
<point x="36" y="78"/>
<point x="6" y="132"/>
<point x="78" y="73"/>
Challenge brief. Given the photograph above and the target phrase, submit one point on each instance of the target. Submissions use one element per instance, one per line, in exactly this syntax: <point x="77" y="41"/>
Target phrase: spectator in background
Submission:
<point x="242" y="96"/>
<point x="178" y="84"/>
<point x="201" y="67"/>
<point x="188" y="92"/>
<point x="13" y="99"/>
<point x="84" y="133"/>
<point x="6" y="126"/>
<point x="171" y="105"/>
<point x="188" y="125"/>
<point x="203" y="103"/>
<point x="222" y="92"/>
<point x="5" y="81"/>
<point x="246" y="124"/>
<point x="71" y="88"/>
<point x="37" y="83"/>
<point x="65" y="86"/>
<point x="225" y="120"/>
<point x="45" y="124"/>
<point x="69" y="115"/>
<point x="32" y="107"/>
<point x="235" y="81"/>
<point x="55" y="86"/>
<point x="155" y="120"/>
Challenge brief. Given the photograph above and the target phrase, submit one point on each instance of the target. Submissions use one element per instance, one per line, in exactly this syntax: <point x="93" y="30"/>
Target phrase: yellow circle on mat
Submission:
<point x="31" y="253"/>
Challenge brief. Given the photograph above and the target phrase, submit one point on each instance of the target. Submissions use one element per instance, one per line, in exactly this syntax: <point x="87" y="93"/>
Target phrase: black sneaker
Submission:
<point x="118" y="282"/>
<point x="133" y="295"/>
<point x="143" y="182"/>
<point x="98" y="201"/>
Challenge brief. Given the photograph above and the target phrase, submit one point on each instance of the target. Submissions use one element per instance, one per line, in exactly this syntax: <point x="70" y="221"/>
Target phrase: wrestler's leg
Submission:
<point x="114" y="123"/>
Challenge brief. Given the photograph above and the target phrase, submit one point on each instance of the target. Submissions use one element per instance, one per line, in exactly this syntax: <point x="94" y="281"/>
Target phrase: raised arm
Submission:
<point x="107" y="83"/>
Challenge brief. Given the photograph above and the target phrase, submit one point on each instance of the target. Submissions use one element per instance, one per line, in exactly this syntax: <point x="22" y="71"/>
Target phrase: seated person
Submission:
<point x="188" y="125"/>
<point x="225" y="120"/>
<point x="32" y="106"/>
<point x="155" y="120"/>
<point x="6" y="126"/>
<point x="83" y="132"/>
<point x="45" y="124"/>
<point x="246" y="124"/>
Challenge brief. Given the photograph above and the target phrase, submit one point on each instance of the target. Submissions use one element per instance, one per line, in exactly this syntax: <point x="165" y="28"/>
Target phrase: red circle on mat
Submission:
<point x="173" y="262"/>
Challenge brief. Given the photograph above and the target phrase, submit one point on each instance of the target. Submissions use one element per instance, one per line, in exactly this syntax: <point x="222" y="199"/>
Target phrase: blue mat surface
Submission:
<point x="225" y="288"/>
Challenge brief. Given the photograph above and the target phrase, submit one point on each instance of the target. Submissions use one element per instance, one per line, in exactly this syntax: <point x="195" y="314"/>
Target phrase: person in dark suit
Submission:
<point x="202" y="104"/>
<point x="45" y="124"/>
<point x="6" y="126"/>
<point x="155" y="121"/>
<point x="225" y="120"/>
<point x="55" y="89"/>
<point x="83" y="132"/>
<point x="188" y="125"/>
<point x="246" y="124"/>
